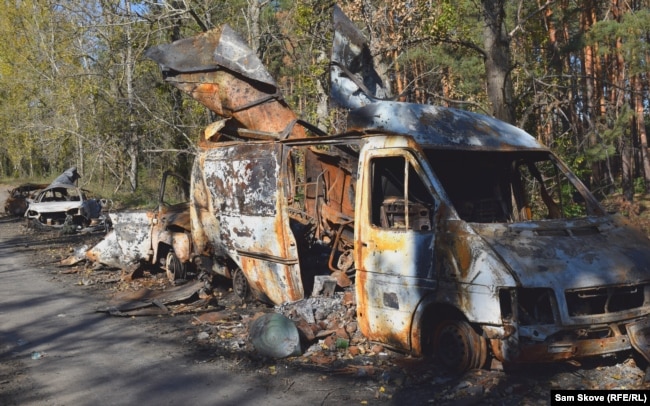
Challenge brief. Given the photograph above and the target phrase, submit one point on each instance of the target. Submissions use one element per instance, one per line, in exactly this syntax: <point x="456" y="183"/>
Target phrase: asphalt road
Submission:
<point x="55" y="349"/>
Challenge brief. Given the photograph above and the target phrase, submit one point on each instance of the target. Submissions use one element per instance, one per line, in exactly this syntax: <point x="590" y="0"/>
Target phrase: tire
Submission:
<point x="240" y="285"/>
<point x="458" y="346"/>
<point x="175" y="268"/>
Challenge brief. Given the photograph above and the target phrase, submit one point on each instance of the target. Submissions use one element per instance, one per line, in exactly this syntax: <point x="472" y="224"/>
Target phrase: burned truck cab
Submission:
<point x="473" y="239"/>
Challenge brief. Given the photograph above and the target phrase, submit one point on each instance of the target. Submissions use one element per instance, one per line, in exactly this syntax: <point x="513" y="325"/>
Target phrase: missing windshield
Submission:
<point x="500" y="187"/>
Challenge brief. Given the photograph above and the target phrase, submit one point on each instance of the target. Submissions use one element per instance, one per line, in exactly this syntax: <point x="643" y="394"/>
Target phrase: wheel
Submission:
<point x="240" y="284"/>
<point x="175" y="268"/>
<point x="458" y="346"/>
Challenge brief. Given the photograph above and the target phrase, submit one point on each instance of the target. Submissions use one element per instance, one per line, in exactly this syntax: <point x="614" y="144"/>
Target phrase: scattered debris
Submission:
<point x="37" y="355"/>
<point x="78" y="255"/>
<point x="147" y="302"/>
<point x="372" y="373"/>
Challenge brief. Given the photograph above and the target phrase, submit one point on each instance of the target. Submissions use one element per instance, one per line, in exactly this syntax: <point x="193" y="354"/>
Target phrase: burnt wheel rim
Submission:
<point x="459" y="347"/>
<point x="175" y="269"/>
<point x="240" y="284"/>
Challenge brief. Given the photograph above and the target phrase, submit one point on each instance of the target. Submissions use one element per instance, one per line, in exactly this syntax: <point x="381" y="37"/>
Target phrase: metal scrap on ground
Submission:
<point x="150" y="301"/>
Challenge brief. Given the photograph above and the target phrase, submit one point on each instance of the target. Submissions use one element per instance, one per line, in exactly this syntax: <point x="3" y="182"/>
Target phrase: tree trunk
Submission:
<point x="590" y="97"/>
<point x="399" y="77"/>
<point x="132" y="134"/>
<point x="497" y="60"/>
<point x="253" y="22"/>
<point x="640" y="129"/>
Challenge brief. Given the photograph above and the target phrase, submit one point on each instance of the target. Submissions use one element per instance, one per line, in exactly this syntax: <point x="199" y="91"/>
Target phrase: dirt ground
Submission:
<point x="217" y="327"/>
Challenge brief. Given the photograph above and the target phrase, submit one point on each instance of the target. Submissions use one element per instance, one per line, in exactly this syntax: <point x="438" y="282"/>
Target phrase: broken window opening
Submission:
<point x="58" y="195"/>
<point x="504" y="187"/>
<point x="535" y="306"/>
<point x="174" y="189"/>
<point x="400" y="199"/>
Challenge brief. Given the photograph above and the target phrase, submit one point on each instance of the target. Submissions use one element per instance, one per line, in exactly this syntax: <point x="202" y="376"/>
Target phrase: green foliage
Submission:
<point x="68" y="95"/>
<point x="629" y="30"/>
<point x="610" y="136"/>
<point x="639" y="185"/>
<point x="445" y="20"/>
<point x="143" y="198"/>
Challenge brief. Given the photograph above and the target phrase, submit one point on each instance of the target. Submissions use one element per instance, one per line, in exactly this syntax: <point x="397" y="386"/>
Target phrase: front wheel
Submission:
<point x="458" y="346"/>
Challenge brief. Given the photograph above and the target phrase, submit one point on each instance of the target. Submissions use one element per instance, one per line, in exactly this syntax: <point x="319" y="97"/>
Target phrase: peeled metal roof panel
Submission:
<point x="440" y="126"/>
<point x="215" y="49"/>
<point x="354" y="80"/>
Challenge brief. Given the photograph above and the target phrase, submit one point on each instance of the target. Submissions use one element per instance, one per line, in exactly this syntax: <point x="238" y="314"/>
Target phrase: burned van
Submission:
<point x="471" y="238"/>
<point x="462" y="236"/>
<point x="466" y="241"/>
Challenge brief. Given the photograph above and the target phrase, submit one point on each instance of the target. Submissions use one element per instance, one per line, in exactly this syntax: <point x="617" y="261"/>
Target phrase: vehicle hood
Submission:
<point x="128" y="243"/>
<point x="589" y="252"/>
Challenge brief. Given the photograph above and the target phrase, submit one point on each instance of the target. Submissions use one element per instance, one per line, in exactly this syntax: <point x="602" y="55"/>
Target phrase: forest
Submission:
<point x="77" y="90"/>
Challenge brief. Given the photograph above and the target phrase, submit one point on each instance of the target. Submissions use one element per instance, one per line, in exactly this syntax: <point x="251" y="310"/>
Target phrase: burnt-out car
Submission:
<point x="56" y="203"/>
<point x="64" y="203"/>
<point x="20" y="197"/>
<point x="158" y="238"/>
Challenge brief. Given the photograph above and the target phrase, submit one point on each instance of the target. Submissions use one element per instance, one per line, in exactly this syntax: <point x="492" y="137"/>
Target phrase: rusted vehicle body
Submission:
<point x="463" y="235"/>
<point x="20" y="197"/>
<point x="63" y="202"/>
<point x="157" y="238"/>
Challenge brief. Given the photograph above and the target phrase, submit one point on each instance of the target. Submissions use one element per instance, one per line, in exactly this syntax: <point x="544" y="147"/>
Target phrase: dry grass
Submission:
<point x="637" y="210"/>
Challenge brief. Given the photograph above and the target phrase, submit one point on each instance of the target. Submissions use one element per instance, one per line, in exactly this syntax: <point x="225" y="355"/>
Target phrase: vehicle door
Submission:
<point x="395" y="239"/>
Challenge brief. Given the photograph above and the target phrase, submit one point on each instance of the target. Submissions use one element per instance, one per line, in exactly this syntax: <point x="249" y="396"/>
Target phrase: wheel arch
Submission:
<point x="426" y="317"/>
<point x="435" y="323"/>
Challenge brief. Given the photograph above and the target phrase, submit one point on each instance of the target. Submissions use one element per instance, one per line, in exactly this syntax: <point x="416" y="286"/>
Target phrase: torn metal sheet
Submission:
<point x="353" y="78"/>
<point x="640" y="337"/>
<point x="220" y="71"/>
<point x="68" y="177"/>
<point x="127" y="243"/>
<point x="150" y="302"/>
<point x="77" y="256"/>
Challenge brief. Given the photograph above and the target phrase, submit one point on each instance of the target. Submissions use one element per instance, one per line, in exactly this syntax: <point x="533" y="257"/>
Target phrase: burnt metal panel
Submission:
<point x="243" y="179"/>
<point x="128" y="243"/>
<point x="215" y="49"/>
<point x="354" y="80"/>
<point x="571" y="254"/>
<point x="220" y="71"/>
<point x="68" y="177"/>
<point x="247" y="217"/>
<point x="440" y="126"/>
